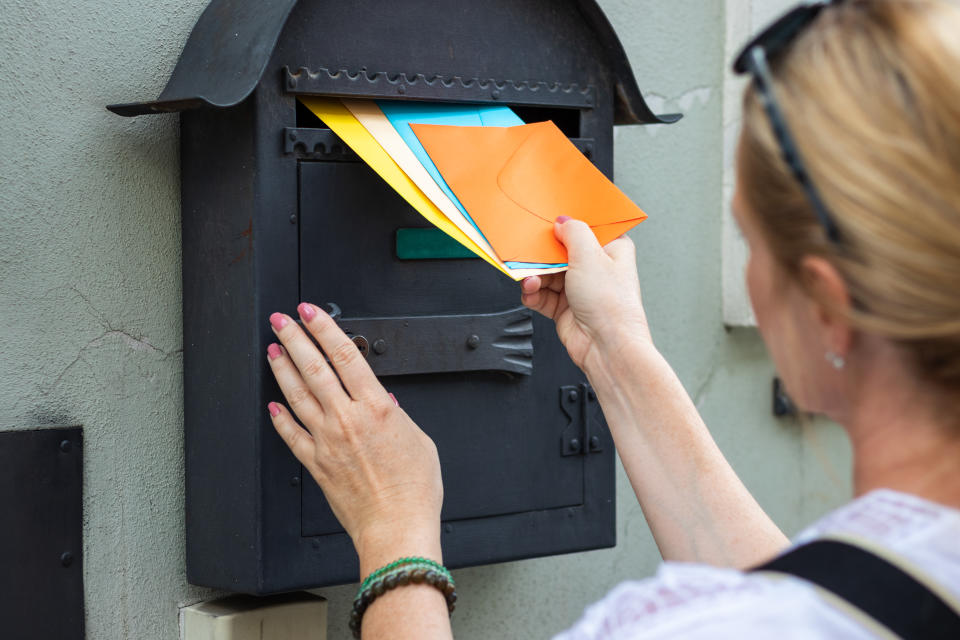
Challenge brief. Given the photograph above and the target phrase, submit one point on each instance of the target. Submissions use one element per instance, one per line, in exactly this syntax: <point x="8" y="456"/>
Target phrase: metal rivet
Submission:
<point x="448" y="528"/>
<point x="66" y="446"/>
<point x="293" y="136"/>
<point x="66" y="558"/>
<point x="401" y="89"/>
<point x="495" y="94"/>
<point x="573" y="396"/>
<point x="292" y="83"/>
<point x="574" y="445"/>
<point x="293" y="218"/>
<point x="315" y="544"/>
<point x="294" y="481"/>
<point x="473" y="341"/>
<point x="594" y="443"/>
<point x="571" y="513"/>
<point x="380" y="347"/>
<point x="362" y="344"/>
<point x="589" y="99"/>
<point x="592" y="395"/>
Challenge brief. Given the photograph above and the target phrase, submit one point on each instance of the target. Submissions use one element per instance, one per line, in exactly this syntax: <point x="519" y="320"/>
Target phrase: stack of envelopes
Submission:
<point x="478" y="173"/>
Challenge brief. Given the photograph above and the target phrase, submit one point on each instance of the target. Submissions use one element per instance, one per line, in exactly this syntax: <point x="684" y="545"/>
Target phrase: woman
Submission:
<point x="850" y="205"/>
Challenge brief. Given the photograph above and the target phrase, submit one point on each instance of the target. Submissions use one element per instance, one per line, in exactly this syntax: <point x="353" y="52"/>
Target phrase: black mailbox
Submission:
<point x="277" y="210"/>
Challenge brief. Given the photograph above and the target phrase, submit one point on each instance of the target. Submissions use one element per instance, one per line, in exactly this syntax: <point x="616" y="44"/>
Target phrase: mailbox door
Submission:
<point x="504" y="437"/>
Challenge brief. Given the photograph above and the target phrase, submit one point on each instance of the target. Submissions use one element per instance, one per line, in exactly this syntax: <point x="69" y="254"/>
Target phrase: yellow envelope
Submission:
<point x="348" y="128"/>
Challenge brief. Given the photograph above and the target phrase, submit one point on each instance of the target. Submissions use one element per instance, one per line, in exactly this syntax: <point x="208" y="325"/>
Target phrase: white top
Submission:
<point x="690" y="601"/>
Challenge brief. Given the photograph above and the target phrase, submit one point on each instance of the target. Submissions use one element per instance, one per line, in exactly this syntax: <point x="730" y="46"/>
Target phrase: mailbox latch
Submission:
<point x="582" y="433"/>
<point x="411" y="345"/>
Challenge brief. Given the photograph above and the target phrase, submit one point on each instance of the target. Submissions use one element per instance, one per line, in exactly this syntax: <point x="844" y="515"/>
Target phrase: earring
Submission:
<point x="837" y="361"/>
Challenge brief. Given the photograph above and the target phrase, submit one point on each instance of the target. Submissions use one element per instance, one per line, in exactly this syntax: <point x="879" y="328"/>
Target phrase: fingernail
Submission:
<point x="274" y="351"/>
<point x="307" y="312"/>
<point x="274" y="409"/>
<point x="278" y="320"/>
<point x="562" y="219"/>
<point x="394" y="398"/>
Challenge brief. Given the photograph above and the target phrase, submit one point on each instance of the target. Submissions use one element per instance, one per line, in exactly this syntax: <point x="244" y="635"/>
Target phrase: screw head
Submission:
<point x="573" y="396"/>
<point x="473" y="341"/>
<point x="66" y="558"/>
<point x="380" y="347"/>
<point x="362" y="344"/>
<point x="66" y="446"/>
<point x="293" y="136"/>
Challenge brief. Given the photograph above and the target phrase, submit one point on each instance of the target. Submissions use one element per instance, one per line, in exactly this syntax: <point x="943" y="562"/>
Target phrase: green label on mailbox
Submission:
<point x="429" y="244"/>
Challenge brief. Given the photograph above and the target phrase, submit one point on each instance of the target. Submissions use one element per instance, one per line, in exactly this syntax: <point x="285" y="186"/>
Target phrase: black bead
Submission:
<point x="430" y="577"/>
<point x="403" y="578"/>
<point x="416" y="576"/>
<point x="441" y="583"/>
<point x="377" y="588"/>
<point x="390" y="582"/>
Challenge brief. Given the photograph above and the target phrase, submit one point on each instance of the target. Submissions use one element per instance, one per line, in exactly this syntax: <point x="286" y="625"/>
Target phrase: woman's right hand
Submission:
<point x="596" y="303"/>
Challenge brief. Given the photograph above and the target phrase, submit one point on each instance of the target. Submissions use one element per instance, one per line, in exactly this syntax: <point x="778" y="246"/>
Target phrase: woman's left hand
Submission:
<point x="378" y="470"/>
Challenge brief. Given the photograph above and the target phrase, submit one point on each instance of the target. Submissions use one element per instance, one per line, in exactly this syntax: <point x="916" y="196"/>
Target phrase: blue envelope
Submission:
<point x="401" y="114"/>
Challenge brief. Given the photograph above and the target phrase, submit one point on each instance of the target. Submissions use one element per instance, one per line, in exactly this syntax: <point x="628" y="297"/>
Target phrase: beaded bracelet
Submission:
<point x="401" y="562"/>
<point x="397" y="574"/>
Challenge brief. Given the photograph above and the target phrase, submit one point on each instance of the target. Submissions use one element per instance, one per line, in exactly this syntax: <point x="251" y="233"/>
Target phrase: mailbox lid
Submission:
<point x="227" y="53"/>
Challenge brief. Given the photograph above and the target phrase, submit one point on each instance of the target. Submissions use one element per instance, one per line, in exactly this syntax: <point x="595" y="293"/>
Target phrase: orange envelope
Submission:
<point x="515" y="181"/>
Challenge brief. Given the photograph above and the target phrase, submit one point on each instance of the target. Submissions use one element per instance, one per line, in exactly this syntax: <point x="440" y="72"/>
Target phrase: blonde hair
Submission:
<point x="871" y="93"/>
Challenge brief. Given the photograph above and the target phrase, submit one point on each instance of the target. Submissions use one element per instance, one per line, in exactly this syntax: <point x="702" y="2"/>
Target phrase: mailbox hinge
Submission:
<point x="582" y="435"/>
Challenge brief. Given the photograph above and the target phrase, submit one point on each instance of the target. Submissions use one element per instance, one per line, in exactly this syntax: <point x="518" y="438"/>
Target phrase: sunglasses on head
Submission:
<point x="755" y="59"/>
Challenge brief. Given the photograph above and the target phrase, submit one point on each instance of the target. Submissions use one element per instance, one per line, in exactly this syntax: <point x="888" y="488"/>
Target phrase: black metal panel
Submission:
<point x="227" y="52"/>
<point x="41" y="544"/>
<point x="222" y="357"/>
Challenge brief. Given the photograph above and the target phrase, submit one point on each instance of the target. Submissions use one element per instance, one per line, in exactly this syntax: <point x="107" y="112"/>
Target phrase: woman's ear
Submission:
<point x="831" y="302"/>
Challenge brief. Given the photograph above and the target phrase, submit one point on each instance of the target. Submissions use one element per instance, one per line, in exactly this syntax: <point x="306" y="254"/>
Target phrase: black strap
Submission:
<point x="878" y="588"/>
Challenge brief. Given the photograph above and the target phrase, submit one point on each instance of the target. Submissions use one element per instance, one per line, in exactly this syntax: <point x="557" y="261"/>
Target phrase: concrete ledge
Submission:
<point x="296" y="616"/>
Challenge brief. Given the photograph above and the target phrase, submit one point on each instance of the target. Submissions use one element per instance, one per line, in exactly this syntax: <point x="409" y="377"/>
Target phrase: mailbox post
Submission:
<point x="277" y="210"/>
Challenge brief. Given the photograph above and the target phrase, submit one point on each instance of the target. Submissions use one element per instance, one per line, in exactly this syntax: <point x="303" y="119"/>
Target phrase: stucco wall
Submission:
<point x="90" y="304"/>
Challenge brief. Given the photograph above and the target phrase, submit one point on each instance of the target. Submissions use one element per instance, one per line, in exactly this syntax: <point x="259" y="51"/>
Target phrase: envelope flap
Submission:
<point x="549" y="177"/>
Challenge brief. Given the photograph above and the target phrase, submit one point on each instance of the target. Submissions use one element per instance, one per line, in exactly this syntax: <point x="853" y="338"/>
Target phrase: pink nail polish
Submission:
<point x="394" y="398"/>
<point x="274" y="351"/>
<point x="307" y="312"/>
<point x="274" y="409"/>
<point x="278" y="320"/>
<point x="562" y="219"/>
